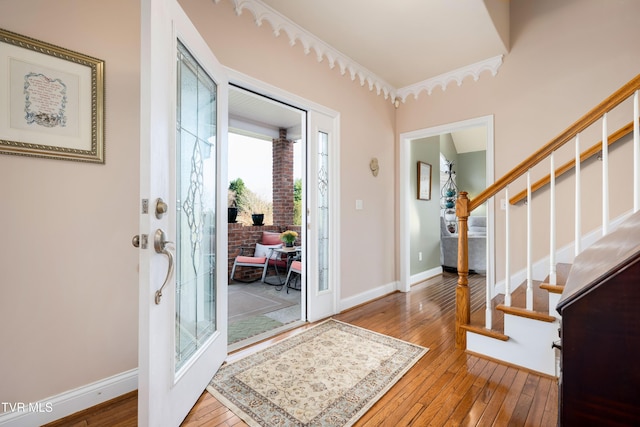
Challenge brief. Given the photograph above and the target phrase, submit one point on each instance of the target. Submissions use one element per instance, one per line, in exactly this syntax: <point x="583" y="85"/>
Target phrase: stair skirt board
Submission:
<point x="529" y="344"/>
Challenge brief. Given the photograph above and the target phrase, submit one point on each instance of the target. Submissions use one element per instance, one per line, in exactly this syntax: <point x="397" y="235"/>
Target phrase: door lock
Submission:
<point x="140" y="241"/>
<point x="161" y="208"/>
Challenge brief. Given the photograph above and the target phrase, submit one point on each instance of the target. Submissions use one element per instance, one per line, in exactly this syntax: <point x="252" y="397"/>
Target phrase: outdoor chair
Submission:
<point x="295" y="268"/>
<point x="262" y="256"/>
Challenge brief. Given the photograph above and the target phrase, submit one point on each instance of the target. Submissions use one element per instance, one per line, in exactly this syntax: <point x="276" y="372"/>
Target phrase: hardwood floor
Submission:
<point x="447" y="387"/>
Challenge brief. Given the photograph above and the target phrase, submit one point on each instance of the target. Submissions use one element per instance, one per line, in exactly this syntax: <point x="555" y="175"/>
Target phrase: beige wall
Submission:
<point x="68" y="272"/>
<point x="367" y="130"/>
<point x="424" y="237"/>
<point x="565" y="58"/>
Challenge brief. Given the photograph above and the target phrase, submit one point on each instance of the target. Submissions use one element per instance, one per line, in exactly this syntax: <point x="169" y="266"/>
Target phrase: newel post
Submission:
<point x="463" y="305"/>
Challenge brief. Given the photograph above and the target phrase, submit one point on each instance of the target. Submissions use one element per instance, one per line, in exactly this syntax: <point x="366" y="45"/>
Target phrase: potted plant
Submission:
<point x="232" y="208"/>
<point x="289" y="237"/>
<point x="257" y="218"/>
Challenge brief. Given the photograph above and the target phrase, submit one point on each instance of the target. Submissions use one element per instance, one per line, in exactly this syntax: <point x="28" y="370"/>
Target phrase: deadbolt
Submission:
<point x="161" y="208"/>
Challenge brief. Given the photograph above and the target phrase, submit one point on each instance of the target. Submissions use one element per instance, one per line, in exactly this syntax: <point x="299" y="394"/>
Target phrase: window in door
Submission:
<point x="195" y="207"/>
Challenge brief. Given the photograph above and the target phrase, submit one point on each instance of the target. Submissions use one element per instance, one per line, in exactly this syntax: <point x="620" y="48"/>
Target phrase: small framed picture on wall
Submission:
<point x="424" y="181"/>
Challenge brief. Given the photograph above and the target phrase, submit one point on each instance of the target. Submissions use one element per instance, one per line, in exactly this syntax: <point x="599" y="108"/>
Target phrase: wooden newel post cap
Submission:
<point x="462" y="205"/>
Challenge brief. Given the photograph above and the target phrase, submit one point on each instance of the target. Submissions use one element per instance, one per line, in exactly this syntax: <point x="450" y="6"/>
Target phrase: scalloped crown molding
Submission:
<point x="262" y="12"/>
<point x="457" y="75"/>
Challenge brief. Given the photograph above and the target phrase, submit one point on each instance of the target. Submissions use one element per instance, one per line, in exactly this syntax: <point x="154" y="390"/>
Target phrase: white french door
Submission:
<point x="183" y="295"/>
<point x="323" y="209"/>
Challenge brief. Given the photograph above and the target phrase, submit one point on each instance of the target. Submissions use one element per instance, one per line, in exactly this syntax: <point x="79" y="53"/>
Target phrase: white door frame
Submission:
<point x="326" y="303"/>
<point x="405" y="198"/>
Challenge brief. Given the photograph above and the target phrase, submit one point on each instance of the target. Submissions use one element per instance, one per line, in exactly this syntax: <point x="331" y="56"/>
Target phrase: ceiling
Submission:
<point x="405" y="41"/>
<point x="401" y="42"/>
<point x="260" y="117"/>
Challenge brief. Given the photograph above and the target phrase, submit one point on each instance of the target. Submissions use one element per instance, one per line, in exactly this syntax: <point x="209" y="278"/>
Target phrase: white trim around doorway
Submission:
<point x="404" y="190"/>
<point x="313" y="109"/>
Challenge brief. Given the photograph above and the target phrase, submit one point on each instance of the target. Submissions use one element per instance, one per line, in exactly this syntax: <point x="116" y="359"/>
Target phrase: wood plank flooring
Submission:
<point x="447" y="387"/>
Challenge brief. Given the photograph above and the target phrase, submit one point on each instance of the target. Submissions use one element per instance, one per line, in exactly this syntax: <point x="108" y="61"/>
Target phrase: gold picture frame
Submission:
<point x="51" y="101"/>
<point x="424" y="181"/>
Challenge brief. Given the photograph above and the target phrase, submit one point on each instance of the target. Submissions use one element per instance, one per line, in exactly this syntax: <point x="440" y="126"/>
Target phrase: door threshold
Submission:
<point x="264" y="335"/>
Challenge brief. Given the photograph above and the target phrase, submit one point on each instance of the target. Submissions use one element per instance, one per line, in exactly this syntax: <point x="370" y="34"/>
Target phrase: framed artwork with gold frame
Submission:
<point x="51" y="101"/>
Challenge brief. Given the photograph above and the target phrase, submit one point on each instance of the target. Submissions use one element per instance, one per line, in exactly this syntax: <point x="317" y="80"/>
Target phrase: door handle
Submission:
<point x="160" y="244"/>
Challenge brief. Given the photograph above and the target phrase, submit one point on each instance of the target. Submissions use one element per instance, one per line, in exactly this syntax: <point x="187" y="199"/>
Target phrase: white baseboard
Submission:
<point x="28" y="414"/>
<point x="367" y="296"/>
<point x="425" y="275"/>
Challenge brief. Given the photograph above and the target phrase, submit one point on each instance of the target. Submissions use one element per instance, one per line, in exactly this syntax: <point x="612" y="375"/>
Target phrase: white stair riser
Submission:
<point x="529" y="344"/>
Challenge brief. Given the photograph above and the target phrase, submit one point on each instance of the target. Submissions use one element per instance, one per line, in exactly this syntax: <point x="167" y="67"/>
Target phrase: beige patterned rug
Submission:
<point x="328" y="375"/>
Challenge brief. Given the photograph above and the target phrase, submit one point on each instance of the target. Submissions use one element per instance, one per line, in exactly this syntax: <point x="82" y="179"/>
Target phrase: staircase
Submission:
<point x="520" y="325"/>
<point x="519" y="336"/>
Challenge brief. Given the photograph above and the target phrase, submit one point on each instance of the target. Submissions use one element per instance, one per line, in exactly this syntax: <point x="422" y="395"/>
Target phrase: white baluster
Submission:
<point x="605" y="176"/>
<point x="488" y="311"/>
<point x="636" y="154"/>
<point x="507" y="256"/>
<point x="552" y="221"/>
<point x="578" y="200"/>
<point x="529" y="246"/>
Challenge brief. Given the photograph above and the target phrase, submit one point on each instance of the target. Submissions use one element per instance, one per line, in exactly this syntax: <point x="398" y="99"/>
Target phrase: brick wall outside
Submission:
<point x="247" y="237"/>
<point x="282" y="179"/>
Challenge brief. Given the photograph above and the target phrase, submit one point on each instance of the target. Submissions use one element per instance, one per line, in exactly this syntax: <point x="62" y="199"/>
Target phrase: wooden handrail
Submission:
<point x="464" y="206"/>
<point x="581" y="124"/>
<point x="593" y="150"/>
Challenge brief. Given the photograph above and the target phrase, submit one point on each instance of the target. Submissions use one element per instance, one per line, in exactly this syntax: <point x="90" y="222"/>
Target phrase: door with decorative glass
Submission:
<point x="183" y="300"/>
<point x="322" y="218"/>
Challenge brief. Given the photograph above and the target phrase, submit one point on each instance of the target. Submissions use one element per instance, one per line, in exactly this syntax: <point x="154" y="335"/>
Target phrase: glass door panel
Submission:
<point x="323" y="211"/>
<point x="195" y="207"/>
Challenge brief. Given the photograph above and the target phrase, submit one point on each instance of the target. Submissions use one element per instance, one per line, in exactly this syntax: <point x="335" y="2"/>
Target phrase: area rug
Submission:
<point x="328" y="375"/>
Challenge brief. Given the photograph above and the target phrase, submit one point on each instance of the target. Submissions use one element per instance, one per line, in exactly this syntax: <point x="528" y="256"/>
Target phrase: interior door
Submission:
<point x="182" y="300"/>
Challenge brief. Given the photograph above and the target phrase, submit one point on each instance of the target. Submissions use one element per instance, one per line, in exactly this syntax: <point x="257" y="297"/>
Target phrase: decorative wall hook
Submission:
<point x="374" y="166"/>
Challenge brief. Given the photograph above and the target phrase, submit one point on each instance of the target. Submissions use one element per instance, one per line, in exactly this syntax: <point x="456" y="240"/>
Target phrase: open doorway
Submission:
<point x="454" y="143"/>
<point x="266" y="168"/>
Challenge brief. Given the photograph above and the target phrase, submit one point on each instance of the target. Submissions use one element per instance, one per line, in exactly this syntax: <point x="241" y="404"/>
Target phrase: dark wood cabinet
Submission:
<point x="599" y="384"/>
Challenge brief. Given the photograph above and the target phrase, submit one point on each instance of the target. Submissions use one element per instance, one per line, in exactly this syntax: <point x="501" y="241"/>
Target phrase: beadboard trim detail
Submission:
<point x="71" y="401"/>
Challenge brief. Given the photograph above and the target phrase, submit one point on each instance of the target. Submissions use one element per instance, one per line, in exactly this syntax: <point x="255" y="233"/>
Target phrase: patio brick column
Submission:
<point x="283" y="180"/>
